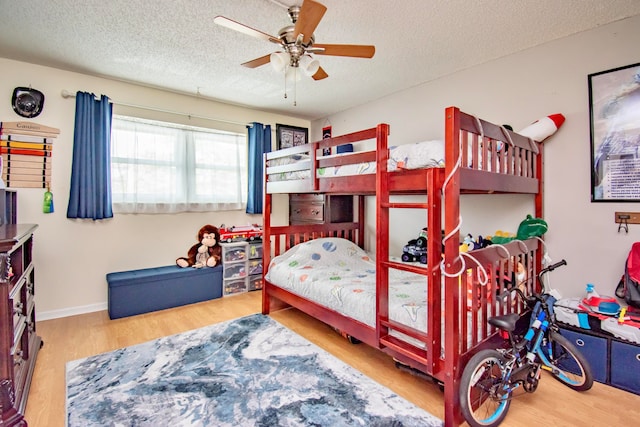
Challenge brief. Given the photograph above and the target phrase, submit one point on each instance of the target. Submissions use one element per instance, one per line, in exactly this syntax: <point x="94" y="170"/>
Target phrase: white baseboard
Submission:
<point x="72" y="311"/>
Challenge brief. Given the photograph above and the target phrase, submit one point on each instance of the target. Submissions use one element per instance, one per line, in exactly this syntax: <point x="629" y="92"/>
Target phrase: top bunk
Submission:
<point x="476" y="155"/>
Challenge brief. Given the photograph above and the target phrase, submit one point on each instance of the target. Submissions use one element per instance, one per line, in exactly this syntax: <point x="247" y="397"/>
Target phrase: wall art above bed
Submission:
<point x="290" y="136"/>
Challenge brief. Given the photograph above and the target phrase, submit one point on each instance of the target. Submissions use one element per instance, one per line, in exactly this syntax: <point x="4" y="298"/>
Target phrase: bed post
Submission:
<point x="266" y="239"/>
<point x="360" y="239"/>
<point x="539" y="200"/>
<point x="452" y="415"/>
<point x="434" y="257"/>
<point x="382" y="229"/>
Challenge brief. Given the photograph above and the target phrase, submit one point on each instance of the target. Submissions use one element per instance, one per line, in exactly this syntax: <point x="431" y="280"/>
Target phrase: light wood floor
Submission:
<point x="80" y="336"/>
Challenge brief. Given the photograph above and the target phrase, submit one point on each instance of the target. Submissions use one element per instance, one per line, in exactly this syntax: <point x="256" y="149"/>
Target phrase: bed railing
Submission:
<point x="488" y="157"/>
<point x="282" y="175"/>
<point x="491" y="156"/>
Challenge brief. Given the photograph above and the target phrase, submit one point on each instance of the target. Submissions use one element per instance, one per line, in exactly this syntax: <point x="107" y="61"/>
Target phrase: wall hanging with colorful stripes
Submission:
<point x="26" y="150"/>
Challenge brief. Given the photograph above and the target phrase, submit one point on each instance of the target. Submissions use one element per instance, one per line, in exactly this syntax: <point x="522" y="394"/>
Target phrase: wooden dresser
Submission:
<point x="319" y="208"/>
<point x="19" y="343"/>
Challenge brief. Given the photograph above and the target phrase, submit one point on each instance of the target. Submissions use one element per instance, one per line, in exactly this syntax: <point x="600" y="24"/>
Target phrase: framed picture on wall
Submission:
<point x="614" y="108"/>
<point x="290" y="136"/>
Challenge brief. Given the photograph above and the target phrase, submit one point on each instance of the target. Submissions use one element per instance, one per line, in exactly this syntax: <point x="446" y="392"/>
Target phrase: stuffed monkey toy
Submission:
<point x="207" y="252"/>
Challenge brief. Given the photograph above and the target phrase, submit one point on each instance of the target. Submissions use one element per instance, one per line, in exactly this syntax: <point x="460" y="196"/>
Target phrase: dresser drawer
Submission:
<point x="320" y="208"/>
<point x="306" y="212"/>
<point x="625" y="366"/>
<point x="18" y="302"/>
<point x="594" y="349"/>
<point x="307" y="198"/>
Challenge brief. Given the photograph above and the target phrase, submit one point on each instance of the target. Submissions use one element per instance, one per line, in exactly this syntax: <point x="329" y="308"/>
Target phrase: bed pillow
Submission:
<point x="326" y="251"/>
<point x="426" y="154"/>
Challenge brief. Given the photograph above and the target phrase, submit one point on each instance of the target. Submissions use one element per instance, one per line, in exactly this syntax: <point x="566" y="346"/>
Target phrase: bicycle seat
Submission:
<point x="506" y="322"/>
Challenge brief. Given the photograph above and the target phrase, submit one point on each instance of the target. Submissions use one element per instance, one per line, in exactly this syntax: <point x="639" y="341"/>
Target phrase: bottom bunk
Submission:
<point x="328" y="275"/>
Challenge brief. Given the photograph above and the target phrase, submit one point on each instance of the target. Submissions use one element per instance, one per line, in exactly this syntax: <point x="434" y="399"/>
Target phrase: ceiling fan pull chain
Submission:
<point x="285" y="82"/>
<point x="295" y="87"/>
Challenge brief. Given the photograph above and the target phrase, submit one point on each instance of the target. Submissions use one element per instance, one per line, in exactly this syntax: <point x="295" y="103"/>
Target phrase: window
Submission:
<point x="159" y="167"/>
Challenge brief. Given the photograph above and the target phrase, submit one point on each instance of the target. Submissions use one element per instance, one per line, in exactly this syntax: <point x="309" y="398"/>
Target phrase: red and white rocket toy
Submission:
<point x="543" y="128"/>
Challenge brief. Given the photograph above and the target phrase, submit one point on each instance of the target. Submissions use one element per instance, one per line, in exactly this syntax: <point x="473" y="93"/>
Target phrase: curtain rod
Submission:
<point x="66" y="94"/>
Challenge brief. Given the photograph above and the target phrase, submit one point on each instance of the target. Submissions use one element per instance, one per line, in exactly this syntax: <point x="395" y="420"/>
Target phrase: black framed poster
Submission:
<point x="290" y="136"/>
<point x="614" y="107"/>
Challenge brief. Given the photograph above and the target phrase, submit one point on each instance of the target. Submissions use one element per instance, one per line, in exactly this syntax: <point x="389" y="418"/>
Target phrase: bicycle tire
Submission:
<point x="573" y="370"/>
<point x="480" y="403"/>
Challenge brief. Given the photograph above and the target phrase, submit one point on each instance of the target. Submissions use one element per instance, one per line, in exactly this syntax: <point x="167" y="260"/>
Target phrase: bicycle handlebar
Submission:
<point x="551" y="268"/>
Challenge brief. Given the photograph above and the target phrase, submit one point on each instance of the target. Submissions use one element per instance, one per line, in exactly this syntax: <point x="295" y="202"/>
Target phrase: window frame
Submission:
<point x="185" y="161"/>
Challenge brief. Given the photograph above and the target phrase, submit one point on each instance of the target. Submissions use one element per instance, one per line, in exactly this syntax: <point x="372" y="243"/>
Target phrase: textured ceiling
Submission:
<point x="174" y="44"/>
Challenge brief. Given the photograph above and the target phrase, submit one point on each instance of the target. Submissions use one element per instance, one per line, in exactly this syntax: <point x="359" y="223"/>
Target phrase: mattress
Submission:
<point x="339" y="275"/>
<point x="425" y="154"/>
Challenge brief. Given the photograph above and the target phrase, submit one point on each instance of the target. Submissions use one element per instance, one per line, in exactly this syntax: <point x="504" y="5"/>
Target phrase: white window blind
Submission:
<point x="159" y="167"/>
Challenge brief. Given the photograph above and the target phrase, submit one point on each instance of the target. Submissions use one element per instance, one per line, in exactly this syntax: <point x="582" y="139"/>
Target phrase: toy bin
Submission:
<point x="150" y="289"/>
<point x="255" y="250"/>
<point x="255" y="266"/>
<point x="235" y="265"/>
<point x="255" y="282"/>
<point x="235" y="286"/>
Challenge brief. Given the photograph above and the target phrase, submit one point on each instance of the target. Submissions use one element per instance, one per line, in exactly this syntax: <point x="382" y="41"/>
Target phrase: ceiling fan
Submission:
<point x="297" y="42"/>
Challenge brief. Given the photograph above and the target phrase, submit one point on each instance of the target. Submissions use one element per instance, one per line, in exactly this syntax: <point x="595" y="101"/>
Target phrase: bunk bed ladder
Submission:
<point x="423" y="350"/>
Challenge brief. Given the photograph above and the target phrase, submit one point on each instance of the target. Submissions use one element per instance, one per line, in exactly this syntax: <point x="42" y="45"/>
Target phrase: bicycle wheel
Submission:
<point x="568" y="365"/>
<point x="483" y="398"/>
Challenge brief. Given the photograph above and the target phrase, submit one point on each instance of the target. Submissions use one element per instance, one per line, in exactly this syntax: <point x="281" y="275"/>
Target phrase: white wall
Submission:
<point x="518" y="90"/>
<point x="72" y="257"/>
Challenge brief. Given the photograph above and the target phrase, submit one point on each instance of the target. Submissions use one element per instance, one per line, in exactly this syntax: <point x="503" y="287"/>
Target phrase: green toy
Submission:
<point x="531" y="227"/>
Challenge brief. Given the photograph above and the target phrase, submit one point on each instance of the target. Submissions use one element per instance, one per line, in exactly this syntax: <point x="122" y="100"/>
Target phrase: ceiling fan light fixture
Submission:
<point x="279" y="60"/>
<point x="292" y="74"/>
<point x="309" y="65"/>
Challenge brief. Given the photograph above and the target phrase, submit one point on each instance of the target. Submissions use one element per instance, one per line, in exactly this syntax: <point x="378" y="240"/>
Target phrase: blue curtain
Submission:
<point x="90" y="193"/>
<point x="259" y="143"/>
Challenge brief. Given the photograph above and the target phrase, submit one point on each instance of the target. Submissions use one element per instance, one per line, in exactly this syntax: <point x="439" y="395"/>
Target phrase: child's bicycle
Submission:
<point x="492" y="375"/>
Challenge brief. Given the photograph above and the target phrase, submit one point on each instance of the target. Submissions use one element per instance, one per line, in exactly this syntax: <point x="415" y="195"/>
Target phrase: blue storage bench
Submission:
<point x="150" y="289"/>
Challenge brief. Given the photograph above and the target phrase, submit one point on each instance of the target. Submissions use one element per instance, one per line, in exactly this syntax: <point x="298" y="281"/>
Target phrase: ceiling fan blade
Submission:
<point x="257" y="62"/>
<point x="354" y="50"/>
<point x="234" y="25"/>
<point x="320" y="74"/>
<point x="310" y="15"/>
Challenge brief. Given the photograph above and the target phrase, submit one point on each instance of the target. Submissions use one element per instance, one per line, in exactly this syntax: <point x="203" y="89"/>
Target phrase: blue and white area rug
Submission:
<point x="250" y="371"/>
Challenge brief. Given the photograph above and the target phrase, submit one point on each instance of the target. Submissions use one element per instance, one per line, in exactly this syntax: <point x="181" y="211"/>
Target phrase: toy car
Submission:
<point x="411" y="253"/>
<point x="416" y="249"/>
<point x="247" y="233"/>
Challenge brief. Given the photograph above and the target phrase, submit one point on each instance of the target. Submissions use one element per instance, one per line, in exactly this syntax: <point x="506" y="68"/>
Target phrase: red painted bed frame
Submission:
<point x="481" y="169"/>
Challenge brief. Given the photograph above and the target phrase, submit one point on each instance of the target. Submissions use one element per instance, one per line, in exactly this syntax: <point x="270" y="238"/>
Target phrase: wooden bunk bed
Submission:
<point x="479" y="158"/>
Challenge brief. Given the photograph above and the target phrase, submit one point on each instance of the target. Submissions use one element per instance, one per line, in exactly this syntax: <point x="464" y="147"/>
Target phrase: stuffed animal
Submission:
<point x="543" y="128"/>
<point x="207" y="252"/>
